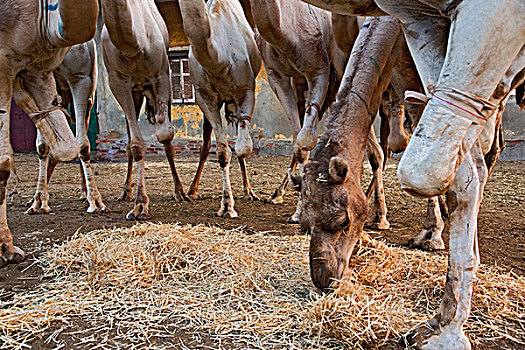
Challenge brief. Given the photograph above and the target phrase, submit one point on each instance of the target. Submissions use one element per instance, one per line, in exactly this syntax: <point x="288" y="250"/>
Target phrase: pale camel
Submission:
<point x="135" y="45"/>
<point x="303" y="64"/>
<point x="76" y="80"/>
<point x="223" y="66"/>
<point x="474" y="68"/>
<point x="35" y="37"/>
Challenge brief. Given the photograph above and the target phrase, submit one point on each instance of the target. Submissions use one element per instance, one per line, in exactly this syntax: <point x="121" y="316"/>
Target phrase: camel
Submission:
<point x="135" y="46"/>
<point x="76" y="80"/>
<point x="36" y="36"/>
<point x="303" y="64"/>
<point x="223" y="74"/>
<point x="467" y="81"/>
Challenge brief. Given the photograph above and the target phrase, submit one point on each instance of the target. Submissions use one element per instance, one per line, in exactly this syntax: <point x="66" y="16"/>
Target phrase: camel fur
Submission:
<point x="223" y="67"/>
<point x="76" y="80"/>
<point x="468" y="70"/>
<point x="304" y="65"/>
<point x="135" y="46"/>
<point x="36" y="36"/>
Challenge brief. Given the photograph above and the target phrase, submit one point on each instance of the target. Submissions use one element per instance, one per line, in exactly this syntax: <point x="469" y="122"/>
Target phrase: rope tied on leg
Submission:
<point x="461" y="103"/>
<point x="56" y="106"/>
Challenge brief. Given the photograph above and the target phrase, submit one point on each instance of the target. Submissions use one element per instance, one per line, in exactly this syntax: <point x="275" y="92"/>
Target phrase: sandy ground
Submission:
<point x="501" y="220"/>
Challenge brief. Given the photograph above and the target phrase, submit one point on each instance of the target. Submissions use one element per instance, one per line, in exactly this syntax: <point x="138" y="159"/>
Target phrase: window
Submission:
<point x="183" y="90"/>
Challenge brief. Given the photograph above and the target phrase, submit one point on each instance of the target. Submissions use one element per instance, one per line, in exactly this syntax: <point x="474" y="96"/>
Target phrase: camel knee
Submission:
<point x="137" y="151"/>
<point x="164" y="133"/>
<point x="42" y="150"/>
<point x="85" y="152"/>
<point x="224" y="155"/>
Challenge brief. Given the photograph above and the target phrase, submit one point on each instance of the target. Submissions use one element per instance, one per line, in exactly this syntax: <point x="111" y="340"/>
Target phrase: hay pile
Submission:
<point x="166" y="286"/>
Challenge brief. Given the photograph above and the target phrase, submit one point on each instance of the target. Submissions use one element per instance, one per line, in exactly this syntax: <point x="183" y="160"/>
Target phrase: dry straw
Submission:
<point x="170" y="286"/>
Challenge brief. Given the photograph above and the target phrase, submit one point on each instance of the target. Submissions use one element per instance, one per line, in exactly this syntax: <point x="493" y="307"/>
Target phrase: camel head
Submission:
<point x="334" y="213"/>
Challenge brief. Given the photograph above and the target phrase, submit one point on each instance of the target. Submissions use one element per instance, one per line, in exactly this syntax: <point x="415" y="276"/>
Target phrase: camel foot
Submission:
<point x="292" y="220"/>
<point x="227" y="213"/>
<point x="180" y="196"/>
<point x="11" y="254"/>
<point x="432" y="336"/>
<point x="45" y="209"/>
<point x="379" y="225"/>
<point x="428" y="244"/>
<point x="126" y="195"/>
<point x="140" y="212"/>
<point x="193" y="195"/>
<point x="274" y="200"/>
<point x="250" y="196"/>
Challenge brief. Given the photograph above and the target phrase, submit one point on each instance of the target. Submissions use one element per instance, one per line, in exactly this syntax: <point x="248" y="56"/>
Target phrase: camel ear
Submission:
<point x="295" y="180"/>
<point x="338" y="169"/>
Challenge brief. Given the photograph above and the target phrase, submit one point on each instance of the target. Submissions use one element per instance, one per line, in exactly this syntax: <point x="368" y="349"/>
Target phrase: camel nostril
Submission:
<point x="17" y="258"/>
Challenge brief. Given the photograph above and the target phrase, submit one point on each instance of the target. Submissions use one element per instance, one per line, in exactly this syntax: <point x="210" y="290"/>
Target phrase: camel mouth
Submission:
<point x="326" y="269"/>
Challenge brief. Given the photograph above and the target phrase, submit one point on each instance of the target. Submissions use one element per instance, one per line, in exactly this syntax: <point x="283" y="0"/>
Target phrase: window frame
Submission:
<point x="181" y="57"/>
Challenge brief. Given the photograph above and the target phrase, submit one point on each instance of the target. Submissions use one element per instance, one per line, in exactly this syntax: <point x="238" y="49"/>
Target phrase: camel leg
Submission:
<point x="126" y="195"/>
<point x="164" y="130"/>
<point x="244" y="143"/>
<point x="317" y="89"/>
<point x="83" y="102"/>
<point x="9" y="253"/>
<point x="121" y="88"/>
<point x="210" y="107"/>
<point x="282" y="87"/>
<point x="430" y="236"/>
<point x="39" y="204"/>
<point x="249" y="195"/>
<point x="277" y="196"/>
<point x="205" y="151"/>
<point x="375" y="156"/>
<point x="442" y="136"/>
<point x="464" y="198"/>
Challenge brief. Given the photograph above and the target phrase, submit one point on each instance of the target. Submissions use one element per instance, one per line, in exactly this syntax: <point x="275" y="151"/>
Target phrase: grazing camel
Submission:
<point x="474" y="53"/>
<point x="76" y="80"/>
<point x="303" y="64"/>
<point x="135" y="46"/>
<point x="223" y="66"/>
<point x="35" y="37"/>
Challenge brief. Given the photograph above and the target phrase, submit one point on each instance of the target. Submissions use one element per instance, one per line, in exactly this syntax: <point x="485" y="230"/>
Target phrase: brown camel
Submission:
<point x="76" y="80"/>
<point x="135" y="46"/>
<point x="470" y="55"/>
<point x="223" y="65"/>
<point x="36" y="36"/>
<point x="303" y="64"/>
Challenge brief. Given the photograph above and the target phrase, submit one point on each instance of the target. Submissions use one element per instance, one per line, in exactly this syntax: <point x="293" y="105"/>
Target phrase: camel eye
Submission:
<point x="345" y="223"/>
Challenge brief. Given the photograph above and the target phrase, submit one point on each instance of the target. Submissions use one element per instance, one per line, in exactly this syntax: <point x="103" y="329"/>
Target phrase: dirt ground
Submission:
<point x="501" y="220"/>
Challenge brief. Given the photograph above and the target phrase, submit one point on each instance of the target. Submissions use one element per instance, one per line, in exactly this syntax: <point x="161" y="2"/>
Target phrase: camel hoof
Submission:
<point x="251" y="197"/>
<point x="274" y="200"/>
<point x="382" y="225"/>
<point x="433" y="245"/>
<point x="291" y="220"/>
<point x="144" y="216"/>
<point x="130" y="216"/>
<point x="31" y="211"/>
<point x="231" y="214"/>
<point x="11" y="256"/>
<point x="44" y="210"/>
<point x="193" y="195"/>
<point x="181" y="197"/>
<point x="125" y="196"/>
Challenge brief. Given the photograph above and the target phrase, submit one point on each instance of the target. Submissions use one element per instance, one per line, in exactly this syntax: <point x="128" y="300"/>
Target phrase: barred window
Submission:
<point x="183" y="90"/>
